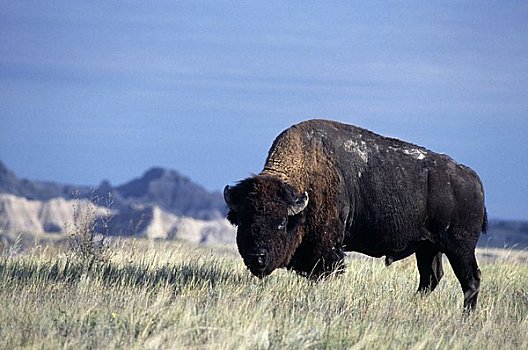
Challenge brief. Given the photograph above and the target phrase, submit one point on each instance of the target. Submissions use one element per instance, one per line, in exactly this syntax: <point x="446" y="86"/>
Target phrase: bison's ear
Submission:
<point x="227" y="197"/>
<point x="299" y="205"/>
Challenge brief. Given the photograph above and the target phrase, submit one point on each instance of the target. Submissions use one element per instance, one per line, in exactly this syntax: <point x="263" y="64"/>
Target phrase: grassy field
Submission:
<point x="168" y="295"/>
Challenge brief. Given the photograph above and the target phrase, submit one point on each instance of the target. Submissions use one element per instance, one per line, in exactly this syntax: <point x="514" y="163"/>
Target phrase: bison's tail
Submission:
<point x="485" y="222"/>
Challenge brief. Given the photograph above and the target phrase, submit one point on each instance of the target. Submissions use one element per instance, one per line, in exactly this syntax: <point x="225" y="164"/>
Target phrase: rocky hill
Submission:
<point x="40" y="190"/>
<point x="167" y="189"/>
<point x="58" y="216"/>
<point x="172" y="192"/>
<point x="159" y="204"/>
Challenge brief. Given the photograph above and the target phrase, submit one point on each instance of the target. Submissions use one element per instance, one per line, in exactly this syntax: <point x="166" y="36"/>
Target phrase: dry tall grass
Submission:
<point x="173" y="296"/>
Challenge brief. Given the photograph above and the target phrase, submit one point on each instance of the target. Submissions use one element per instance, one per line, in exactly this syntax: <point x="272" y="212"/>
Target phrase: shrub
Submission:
<point x="88" y="236"/>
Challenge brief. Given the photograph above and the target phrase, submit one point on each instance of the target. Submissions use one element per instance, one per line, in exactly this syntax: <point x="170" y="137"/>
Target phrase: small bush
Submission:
<point x="88" y="236"/>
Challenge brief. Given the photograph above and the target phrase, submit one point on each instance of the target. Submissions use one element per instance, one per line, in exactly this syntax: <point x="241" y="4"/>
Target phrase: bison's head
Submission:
<point x="267" y="212"/>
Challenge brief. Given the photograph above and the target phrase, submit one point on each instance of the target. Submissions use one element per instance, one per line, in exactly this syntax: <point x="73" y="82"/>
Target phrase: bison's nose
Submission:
<point x="259" y="259"/>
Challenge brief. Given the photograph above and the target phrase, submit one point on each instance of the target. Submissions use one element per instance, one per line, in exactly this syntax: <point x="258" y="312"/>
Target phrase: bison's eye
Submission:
<point x="282" y="225"/>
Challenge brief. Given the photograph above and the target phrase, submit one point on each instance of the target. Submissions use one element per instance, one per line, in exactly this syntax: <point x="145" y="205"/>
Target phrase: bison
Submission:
<point x="329" y="187"/>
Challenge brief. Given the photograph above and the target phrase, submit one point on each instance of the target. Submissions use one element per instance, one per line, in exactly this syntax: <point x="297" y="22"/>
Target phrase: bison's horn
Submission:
<point x="299" y="205"/>
<point x="227" y="196"/>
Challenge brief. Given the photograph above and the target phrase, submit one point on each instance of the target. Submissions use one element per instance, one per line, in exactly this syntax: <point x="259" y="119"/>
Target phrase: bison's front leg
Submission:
<point x="332" y="262"/>
<point x="318" y="264"/>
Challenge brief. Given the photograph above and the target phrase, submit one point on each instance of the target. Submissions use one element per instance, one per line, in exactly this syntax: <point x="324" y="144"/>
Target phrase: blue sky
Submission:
<point x="93" y="90"/>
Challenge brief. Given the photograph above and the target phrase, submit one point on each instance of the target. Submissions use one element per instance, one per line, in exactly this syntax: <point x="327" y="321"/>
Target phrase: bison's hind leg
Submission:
<point x="429" y="261"/>
<point x="468" y="274"/>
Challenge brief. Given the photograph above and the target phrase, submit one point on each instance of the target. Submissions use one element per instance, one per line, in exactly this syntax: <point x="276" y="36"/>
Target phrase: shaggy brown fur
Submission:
<point x="367" y="193"/>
